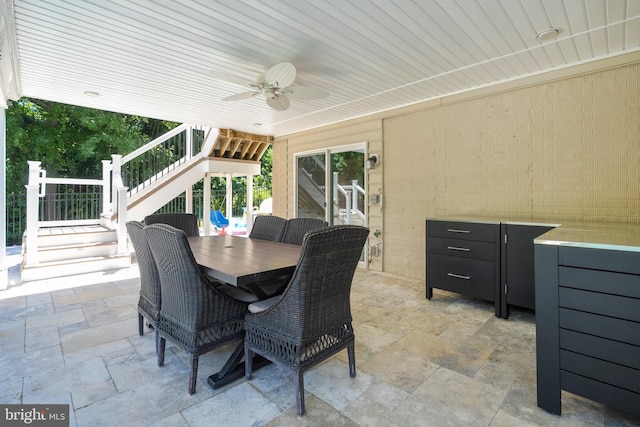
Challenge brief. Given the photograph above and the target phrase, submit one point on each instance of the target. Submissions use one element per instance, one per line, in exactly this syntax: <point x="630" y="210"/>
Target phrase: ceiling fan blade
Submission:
<point x="304" y="92"/>
<point x="279" y="102"/>
<point x="239" y="96"/>
<point x="280" y="75"/>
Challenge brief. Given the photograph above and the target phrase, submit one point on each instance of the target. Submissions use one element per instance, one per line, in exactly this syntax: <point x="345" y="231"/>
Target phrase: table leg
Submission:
<point x="233" y="369"/>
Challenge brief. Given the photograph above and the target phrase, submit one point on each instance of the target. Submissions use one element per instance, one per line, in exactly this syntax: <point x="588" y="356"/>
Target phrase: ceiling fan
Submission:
<point x="276" y="85"/>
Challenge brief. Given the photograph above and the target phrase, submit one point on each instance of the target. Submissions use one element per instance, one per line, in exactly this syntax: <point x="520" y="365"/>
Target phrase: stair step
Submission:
<point x="60" y="236"/>
<point x="46" y="270"/>
<point x="75" y="251"/>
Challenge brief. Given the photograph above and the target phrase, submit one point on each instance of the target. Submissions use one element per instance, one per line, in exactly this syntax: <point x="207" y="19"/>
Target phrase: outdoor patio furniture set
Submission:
<point x="299" y="319"/>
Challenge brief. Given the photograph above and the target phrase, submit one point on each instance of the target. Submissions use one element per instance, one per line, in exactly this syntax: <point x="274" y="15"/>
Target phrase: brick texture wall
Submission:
<point x="562" y="151"/>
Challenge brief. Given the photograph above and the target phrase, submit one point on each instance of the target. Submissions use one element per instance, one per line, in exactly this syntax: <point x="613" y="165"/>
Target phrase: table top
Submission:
<point x="240" y="260"/>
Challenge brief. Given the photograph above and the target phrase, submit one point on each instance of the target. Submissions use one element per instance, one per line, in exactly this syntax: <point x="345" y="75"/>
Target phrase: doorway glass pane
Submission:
<point x="348" y="188"/>
<point x="311" y="190"/>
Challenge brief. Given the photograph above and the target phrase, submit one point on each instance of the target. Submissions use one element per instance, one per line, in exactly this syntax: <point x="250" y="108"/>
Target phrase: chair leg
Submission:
<point x="352" y="360"/>
<point x="300" y="392"/>
<point x="248" y="362"/>
<point x="140" y="324"/>
<point x="194" y="374"/>
<point x="161" y="345"/>
<point x="157" y="341"/>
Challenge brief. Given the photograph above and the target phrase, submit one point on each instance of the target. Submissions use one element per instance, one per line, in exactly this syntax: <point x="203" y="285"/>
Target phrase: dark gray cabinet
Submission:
<point x="464" y="257"/>
<point x="482" y="258"/>
<point x="517" y="265"/>
<point x="588" y="325"/>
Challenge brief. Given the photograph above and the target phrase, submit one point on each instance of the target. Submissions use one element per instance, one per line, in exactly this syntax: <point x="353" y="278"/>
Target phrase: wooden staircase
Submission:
<point x="67" y="251"/>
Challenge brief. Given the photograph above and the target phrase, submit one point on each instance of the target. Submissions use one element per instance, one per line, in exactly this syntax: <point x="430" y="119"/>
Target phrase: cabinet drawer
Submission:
<point x="600" y="370"/>
<point x="465" y="276"/>
<point x="616" y="397"/>
<point x="600" y="326"/>
<point x="600" y="303"/>
<point x="600" y="259"/>
<point x="600" y="281"/>
<point x="600" y="348"/>
<point x="462" y="248"/>
<point x="464" y="230"/>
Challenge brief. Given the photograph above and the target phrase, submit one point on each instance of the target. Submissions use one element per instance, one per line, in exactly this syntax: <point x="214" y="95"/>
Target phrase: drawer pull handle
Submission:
<point x="457" y="248"/>
<point x="458" y="276"/>
<point x="456" y="230"/>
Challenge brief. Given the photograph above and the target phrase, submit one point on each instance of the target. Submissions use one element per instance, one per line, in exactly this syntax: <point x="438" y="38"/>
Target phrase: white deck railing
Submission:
<point x="122" y="176"/>
<point x="60" y="202"/>
<point x="351" y="194"/>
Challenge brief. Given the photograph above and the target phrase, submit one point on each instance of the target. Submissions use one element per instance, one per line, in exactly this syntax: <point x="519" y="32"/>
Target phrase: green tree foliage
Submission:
<point x="349" y="165"/>
<point x="70" y="141"/>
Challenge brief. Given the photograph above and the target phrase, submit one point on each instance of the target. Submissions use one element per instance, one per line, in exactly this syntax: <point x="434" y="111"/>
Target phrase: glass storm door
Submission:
<point x="311" y="186"/>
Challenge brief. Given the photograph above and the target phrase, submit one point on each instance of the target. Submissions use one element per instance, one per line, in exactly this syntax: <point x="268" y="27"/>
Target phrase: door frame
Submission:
<point x="327" y="151"/>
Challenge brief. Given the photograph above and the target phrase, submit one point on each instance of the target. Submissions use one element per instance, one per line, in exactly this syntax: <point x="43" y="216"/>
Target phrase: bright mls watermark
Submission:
<point x="34" y="415"/>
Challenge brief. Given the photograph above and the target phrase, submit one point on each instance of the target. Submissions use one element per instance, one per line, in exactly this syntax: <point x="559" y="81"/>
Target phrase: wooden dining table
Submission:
<point x="241" y="261"/>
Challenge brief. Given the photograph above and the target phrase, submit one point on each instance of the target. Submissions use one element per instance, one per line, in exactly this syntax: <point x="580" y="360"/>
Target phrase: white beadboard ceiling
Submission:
<point x="164" y="58"/>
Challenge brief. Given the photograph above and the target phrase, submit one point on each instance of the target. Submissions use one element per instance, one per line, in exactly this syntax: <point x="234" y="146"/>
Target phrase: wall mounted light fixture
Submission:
<point x="373" y="161"/>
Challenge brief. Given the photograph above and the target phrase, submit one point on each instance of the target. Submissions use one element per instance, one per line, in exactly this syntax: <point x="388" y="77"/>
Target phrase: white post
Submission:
<point x="4" y="278"/>
<point x="229" y="197"/>
<point x="354" y="194"/>
<point x="206" y="205"/>
<point x="33" y="193"/>
<point x="188" y="154"/>
<point x="116" y="179"/>
<point x="335" y="189"/>
<point x="188" y="148"/>
<point x="347" y="218"/>
<point x="121" y="228"/>
<point x="106" y="178"/>
<point x="105" y="211"/>
<point x="249" y="202"/>
<point x="188" y="199"/>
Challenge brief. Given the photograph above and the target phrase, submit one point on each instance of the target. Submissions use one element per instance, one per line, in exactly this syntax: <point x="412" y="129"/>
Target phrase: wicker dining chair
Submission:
<point x="268" y="227"/>
<point x="293" y="233"/>
<point x="150" y="293"/>
<point x="311" y="320"/>
<point x="297" y="227"/>
<point x="195" y="315"/>
<point x="186" y="222"/>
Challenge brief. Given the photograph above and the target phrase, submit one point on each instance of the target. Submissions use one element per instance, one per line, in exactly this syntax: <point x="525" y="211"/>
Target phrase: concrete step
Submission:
<point x="46" y="270"/>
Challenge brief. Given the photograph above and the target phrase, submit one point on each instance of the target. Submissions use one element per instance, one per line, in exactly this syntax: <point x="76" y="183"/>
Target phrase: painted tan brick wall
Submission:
<point x="561" y="151"/>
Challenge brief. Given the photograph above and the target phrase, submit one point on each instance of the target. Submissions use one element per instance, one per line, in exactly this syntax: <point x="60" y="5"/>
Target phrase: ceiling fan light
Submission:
<point x="276" y="86"/>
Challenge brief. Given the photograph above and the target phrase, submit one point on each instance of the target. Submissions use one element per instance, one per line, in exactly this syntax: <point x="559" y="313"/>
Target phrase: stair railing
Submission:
<point x="351" y="194"/>
<point x="71" y="204"/>
<point x="59" y="202"/>
<point x="144" y="166"/>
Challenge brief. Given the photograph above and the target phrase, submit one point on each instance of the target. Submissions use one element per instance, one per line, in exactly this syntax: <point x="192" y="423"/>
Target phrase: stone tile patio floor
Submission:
<point x="444" y="362"/>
